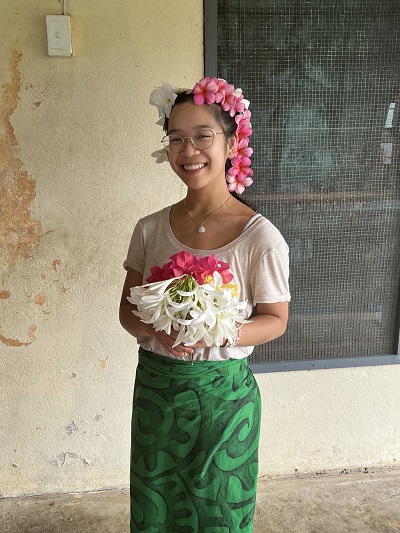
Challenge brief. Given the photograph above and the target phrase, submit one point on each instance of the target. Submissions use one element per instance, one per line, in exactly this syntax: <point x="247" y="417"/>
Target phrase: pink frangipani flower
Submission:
<point x="243" y="149"/>
<point x="244" y="117"/>
<point x="238" y="176"/>
<point x="235" y="185"/>
<point x="238" y="107"/>
<point x="243" y="130"/>
<point x="229" y="100"/>
<point x="204" y="91"/>
<point x="221" y="84"/>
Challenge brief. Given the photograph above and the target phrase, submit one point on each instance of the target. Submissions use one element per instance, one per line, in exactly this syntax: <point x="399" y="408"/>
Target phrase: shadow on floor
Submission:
<point x="350" y="503"/>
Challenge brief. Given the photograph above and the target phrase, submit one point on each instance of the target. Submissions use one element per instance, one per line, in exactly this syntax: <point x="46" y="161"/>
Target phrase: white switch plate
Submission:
<point x="59" y="40"/>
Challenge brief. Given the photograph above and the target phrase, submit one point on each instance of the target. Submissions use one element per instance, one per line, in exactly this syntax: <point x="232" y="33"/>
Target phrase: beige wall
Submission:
<point x="75" y="174"/>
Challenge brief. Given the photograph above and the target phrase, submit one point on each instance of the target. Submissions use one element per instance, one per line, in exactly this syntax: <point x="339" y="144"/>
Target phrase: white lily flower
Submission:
<point x="209" y="312"/>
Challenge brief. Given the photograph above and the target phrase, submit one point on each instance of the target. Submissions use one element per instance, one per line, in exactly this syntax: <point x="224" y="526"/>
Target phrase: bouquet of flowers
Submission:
<point x="192" y="295"/>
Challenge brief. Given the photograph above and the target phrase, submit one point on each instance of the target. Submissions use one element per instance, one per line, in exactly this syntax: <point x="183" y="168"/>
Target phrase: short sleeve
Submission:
<point x="270" y="276"/>
<point x="136" y="255"/>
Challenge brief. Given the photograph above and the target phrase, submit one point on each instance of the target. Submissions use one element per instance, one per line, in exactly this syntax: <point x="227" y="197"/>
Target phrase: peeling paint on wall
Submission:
<point x="17" y="343"/>
<point x="103" y="362"/>
<point x="40" y="300"/>
<point x="55" y="264"/>
<point x="4" y="295"/>
<point x="71" y="428"/>
<point x="19" y="234"/>
<point x="61" y="459"/>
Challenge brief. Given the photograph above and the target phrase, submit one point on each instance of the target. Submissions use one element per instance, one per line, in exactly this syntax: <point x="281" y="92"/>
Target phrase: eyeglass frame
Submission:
<point x="184" y="138"/>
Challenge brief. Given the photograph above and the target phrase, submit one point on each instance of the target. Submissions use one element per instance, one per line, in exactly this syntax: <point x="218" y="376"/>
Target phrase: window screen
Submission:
<point x="323" y="80"/>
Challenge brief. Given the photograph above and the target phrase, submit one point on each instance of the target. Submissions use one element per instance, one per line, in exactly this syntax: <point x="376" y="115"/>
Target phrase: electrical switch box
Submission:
<point x="59" y="40"/>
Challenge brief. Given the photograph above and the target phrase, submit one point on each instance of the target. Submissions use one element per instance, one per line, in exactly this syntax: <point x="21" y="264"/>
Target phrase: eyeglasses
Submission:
<point x="201" y="140"/>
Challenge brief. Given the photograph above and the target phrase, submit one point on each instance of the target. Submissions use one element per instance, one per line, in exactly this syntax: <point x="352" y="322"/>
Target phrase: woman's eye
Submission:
<point x="175" y="140"/>
<point x="203" y="135"/>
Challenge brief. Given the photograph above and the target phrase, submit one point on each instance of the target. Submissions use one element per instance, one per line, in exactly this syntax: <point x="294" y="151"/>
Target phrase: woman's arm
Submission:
<point x="128" y="320"/>
<point x="268" y="323"/>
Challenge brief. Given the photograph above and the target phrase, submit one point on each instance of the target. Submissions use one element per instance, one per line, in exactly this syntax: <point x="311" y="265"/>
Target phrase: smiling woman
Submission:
<point x="195" y="427"/>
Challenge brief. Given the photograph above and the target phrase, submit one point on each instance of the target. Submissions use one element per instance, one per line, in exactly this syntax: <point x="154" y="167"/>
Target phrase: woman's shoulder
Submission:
<point x="154" y="218"/>
<point x="264" y="233"/>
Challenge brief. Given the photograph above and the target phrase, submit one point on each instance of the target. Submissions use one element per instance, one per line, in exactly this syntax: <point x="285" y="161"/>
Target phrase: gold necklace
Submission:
<point x="202" y="229"/>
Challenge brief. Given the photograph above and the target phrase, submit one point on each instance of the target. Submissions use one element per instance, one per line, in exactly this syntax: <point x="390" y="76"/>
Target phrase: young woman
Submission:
<point x="195" y="427"/>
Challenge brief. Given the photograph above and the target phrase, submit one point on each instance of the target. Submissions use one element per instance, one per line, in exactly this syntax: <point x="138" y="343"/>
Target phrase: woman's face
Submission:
<point x="197" y="168"/>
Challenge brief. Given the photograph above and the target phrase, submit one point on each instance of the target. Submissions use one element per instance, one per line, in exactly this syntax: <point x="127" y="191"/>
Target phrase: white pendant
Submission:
<point x="201" y="229"/>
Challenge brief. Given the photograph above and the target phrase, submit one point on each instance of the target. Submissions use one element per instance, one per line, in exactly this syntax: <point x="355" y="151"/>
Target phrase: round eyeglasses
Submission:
<point x="201" y="140"/>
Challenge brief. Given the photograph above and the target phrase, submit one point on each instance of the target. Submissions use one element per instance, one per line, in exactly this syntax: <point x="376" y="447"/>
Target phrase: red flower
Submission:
<point x="160" y="274"/>
<point x="185" y="263"/>
<point x="181" y="263"/>
<point x="206" y="266"/>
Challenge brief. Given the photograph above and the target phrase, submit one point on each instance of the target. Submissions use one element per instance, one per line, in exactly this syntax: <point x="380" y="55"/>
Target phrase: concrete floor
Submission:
<point x="348" y="503"/>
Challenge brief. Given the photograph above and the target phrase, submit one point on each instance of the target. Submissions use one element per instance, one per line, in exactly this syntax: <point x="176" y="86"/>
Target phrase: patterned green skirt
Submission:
<point x="194" y="456"/>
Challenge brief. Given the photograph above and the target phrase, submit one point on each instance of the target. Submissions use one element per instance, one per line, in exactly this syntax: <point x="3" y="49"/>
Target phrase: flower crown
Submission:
<point x="214" y="91"/>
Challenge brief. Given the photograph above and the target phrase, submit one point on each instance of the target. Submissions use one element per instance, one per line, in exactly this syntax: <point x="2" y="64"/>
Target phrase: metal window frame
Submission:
<point x="210" y="42"/>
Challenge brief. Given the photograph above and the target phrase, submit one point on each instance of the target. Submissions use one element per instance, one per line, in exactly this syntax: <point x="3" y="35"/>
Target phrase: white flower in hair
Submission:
<point x="163" y="98"/>
<point x="160" y="155"/>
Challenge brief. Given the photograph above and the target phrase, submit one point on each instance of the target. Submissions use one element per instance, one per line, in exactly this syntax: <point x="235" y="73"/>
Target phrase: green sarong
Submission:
<point x="194" y="454"/>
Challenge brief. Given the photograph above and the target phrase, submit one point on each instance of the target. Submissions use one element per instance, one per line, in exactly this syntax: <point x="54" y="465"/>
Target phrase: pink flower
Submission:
<point x="160" y="274"/>
<point x="238" y="106"/>
<point x="232" y="101"/>
<point x="243" y="149"/>
<point x="243" y="130"/>
<point x="204" y="91"/>
<point x="229" y="100"/>
<point x="206" y="266"/>
<point x="181" y="263"/>
<point x="238" y="176"/>
<point x="185" y="263"/>
<point x="244" y="117"/>
<point x="220" y="94"/>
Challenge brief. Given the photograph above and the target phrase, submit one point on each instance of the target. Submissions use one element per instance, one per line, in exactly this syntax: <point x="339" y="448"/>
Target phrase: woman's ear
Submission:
<point x="232" y="145"/>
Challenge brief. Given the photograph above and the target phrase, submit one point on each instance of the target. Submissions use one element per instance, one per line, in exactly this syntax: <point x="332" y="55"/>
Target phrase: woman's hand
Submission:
<point x="167" y="341"/>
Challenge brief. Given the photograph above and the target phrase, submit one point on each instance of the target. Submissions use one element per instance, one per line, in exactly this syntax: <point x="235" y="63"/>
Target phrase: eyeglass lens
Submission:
<point x="201" y="139"/>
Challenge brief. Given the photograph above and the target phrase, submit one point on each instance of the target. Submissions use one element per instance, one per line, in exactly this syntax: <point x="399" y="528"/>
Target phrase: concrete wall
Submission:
<point x="75" y="174"/>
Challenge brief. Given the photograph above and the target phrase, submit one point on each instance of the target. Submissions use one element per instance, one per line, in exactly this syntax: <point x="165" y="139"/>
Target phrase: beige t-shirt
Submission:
<point x="258" y="260"/>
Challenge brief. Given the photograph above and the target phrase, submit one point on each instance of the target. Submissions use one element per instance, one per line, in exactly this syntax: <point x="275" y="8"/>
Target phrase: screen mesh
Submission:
<point x="323" y="82"/>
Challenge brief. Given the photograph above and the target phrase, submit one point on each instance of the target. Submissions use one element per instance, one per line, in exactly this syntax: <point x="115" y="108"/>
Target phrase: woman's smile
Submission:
<point x="194" y="166"/>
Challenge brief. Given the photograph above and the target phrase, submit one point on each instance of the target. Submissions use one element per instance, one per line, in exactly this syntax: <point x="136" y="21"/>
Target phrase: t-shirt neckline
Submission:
<point x="175" y="241"/>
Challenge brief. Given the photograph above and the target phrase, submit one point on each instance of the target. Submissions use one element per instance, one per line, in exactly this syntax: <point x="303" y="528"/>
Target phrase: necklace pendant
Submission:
<point x="201" y="229"/>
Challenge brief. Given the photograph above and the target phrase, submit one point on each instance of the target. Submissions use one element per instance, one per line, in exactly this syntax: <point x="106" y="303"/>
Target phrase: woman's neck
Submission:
<point x="204" y="201"/>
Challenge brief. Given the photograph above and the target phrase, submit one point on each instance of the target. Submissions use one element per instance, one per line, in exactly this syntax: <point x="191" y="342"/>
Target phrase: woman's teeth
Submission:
<point x="194" y="167"/>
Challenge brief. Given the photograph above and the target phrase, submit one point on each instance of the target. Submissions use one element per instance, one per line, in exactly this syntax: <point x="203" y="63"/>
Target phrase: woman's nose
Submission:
<point x="189" y="147"/>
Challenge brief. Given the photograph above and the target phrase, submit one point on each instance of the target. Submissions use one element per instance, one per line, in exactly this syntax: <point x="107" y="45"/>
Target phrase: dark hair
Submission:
<point x="227" y="123"/>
